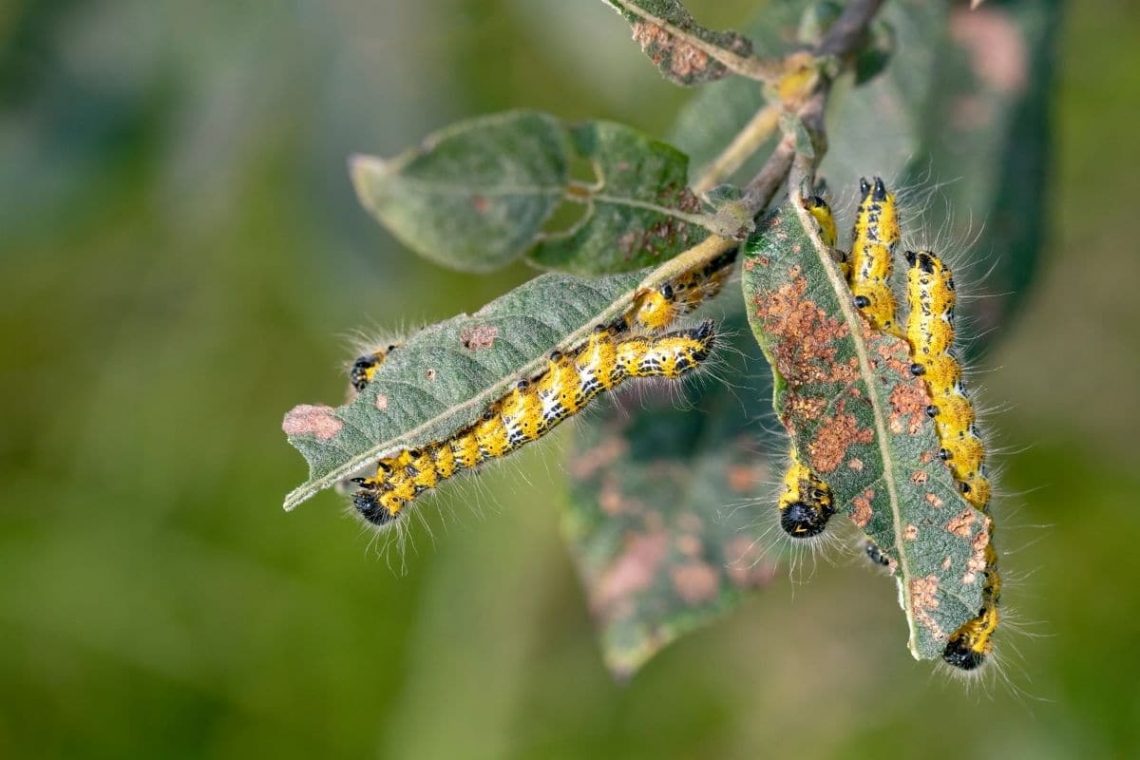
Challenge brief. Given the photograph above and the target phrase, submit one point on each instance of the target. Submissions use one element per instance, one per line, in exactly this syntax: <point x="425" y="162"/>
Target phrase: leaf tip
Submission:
<point x="362" y="167"/>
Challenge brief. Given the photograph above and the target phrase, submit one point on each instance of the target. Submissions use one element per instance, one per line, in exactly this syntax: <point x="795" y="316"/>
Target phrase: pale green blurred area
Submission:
<point x="181" y="257"/>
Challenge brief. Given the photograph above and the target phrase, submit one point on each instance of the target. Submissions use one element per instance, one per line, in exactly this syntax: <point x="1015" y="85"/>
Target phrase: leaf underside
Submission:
<point x="682" y="50"/>
<point x="444" y="376"/>
<point x="856" y="414"/>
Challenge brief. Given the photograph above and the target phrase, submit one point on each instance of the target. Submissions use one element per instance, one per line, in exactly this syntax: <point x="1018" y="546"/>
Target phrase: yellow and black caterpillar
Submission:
<point x="806" y="502"/>
<point x="659" y="308"/>
<point x="931" y="298"/>
<point x="530" y="410"/>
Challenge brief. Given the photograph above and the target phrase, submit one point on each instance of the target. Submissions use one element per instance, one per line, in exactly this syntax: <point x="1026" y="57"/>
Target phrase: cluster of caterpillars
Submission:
<point x="640" y="344"/>
<point x="806" y="502"/>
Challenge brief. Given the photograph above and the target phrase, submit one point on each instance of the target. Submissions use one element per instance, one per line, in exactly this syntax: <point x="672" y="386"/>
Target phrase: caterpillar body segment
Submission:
<point x="530" y="410"/>
<point x="930" y="331"/>
<point x="874" y="240"/>
<point x="821" y="212"/>
<point x="806" y="503"/>
<point x="659" y="308"/>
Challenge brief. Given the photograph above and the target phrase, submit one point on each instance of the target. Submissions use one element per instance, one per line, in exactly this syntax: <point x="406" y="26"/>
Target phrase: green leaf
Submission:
<point x="685" y="52"/>
<point x="639" y="210"/>
<point x="480" y="194"/>
<point x="662" y="522"/>
<point x="857" y="415"/>
<point x="444" y="376"/>
<point x="475" y="195"/>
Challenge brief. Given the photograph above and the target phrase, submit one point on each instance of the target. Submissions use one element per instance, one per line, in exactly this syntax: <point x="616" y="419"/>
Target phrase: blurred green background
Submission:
<point x="181" y="257"/>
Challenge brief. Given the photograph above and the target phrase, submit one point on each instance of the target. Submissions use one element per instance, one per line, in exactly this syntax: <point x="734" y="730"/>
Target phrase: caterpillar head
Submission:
<point x="368" y="506"/>
<point x="801" y="519"/>
<point x="963" y="653"/>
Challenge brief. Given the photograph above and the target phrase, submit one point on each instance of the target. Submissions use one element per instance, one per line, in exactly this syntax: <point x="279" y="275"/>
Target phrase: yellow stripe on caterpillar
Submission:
<point x="529" y="411"/>
<point x="931" y="299"/>
<point x="875" y="237"/>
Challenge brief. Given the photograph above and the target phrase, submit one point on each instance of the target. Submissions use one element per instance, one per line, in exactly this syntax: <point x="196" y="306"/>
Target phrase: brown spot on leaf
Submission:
<point x="855" y="464"/>
<point x="910" y="533"/>
<point x="803" y="335"/>
<point x="979" y="547"/>
<point x="478" y="337"/>
<point x="861" y="514"/>
<point x="480" y="203"/>
<point x="894" y="355"/>
<point x="961" y="523"/>
<point x="684" y="60"/>
<point x="689" y="545"/>
<point x="318" y="421"/>
<point x="919" y="477"/>
<point x="834" y="437"/>
<point x="947" y="563"/>
<point x="803" y="408"/>
<point x="923" y="599"/>
<point x="696" y="582"/>
<point x="934" y="500"/>
<point x="431" y="374"/>
<point x="908" y="408"/>
<point x="382" y="402"/>
<point x="631" y="572"/>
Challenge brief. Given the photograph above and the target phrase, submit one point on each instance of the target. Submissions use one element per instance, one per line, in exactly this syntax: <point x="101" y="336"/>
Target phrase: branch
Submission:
<point x="840" y="41"/>
<point x="844" y="35"/>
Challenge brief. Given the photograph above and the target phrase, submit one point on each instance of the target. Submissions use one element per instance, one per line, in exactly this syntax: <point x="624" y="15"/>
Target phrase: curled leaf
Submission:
<point x="482" y="193"/>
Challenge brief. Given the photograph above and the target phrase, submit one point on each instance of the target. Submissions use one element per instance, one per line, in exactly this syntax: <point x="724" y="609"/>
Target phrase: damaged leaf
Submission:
<point x="482" y="192"/>
<point x="857" y="415"/>
<point x="444" y="376"/>
<point x="684" y="51"/>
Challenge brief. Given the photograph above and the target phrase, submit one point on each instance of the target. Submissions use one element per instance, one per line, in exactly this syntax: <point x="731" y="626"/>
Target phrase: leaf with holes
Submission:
<point x="482" y="193"/>
<point x="444" y="376"/>
<point x="856" y="414"/>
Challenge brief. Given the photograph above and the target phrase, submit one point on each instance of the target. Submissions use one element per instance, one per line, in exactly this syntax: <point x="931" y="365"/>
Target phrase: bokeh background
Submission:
<point x="181" y="258"/>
